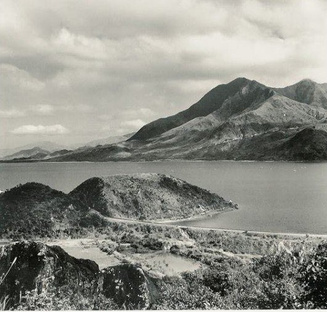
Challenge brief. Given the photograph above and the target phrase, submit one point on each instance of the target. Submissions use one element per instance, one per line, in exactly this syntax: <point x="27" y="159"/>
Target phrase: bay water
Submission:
<point x="286" y="197"/>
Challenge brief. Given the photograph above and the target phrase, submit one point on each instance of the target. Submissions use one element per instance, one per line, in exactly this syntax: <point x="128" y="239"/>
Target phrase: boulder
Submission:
<point x="31" y="266"/>
<point x="36" y="276"/>
<point x="129" y="286"/>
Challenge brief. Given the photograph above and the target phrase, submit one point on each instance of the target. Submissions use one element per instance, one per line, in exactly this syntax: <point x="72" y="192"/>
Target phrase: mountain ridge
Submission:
<point x="231" y="121"/>
<point x="196" y="110"/>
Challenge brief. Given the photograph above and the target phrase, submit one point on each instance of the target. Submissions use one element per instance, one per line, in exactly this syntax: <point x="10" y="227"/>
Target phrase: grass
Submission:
<point x="4" y="300"/>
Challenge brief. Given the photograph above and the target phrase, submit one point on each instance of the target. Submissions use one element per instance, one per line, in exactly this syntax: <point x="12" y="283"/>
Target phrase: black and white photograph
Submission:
<point x="163" y="154"/>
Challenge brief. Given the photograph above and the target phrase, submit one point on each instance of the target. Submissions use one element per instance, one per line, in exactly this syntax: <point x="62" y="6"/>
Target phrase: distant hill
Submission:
<point x="49" y="150"/>
<point x="36" y="210"/>
<point x="109" y="140"/>
<point x="35" y="153"/>
<point x="44" y="145"/>
<point x="243" y="119"/>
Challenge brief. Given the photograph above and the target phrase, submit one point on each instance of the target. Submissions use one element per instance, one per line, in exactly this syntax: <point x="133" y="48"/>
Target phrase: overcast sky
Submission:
<point x="74" y="71"/>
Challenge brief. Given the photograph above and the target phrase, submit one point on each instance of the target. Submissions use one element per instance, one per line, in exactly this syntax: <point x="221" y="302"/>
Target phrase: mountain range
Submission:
<point x="241" y="120"/>
<point x="47" y="150"/>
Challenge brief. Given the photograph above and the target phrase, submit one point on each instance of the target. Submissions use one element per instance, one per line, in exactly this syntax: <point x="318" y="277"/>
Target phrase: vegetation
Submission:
<point x="261" y="271"/>
<point x="65" y="298"/>
<point x="238" y="270"/>
<point x="285" y="280"/>
<point x="34" y="210"/>
<point x="147" y="196"/>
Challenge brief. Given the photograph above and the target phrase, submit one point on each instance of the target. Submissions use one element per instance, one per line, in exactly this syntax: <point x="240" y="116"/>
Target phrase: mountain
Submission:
<point x="35" y="153"/>
<point x="44" y="145"/>
<point x="211" y="102"/>
<point x="306" y="91"/>
<point x="241" y="120"/>
<point x="49" y="150"/>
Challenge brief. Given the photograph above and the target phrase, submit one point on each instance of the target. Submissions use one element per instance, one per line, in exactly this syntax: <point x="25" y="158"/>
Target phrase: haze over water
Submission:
<point x="272" y="196"/>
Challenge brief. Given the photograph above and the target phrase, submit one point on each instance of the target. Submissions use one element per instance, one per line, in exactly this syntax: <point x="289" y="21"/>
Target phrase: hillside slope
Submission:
<point x="209" y="103"/>
<point x="306" y="91"/>
<point x="36" y="209"/>
<point x="147" y="196"/>
<point x="308" y="144"/>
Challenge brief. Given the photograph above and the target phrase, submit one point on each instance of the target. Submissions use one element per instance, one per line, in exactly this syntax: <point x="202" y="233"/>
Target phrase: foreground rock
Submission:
<point x="37" y="276"/>
<point x="38" y="268"/>
<point x="147" y="196"/>
<point x="129" y="286"/>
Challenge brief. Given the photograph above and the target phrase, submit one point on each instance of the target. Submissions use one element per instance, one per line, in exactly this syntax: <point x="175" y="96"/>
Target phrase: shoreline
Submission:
<point x="201" y="216"/>
<point x="177" y="160"/>
<point x="170" y="223"/>
<point x="174" y="224"/>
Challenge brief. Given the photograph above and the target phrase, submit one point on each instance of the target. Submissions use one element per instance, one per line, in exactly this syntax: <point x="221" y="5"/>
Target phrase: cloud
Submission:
<point x="40" y="129"/>
<point x="133" y="124"/>
<point x="42" y="109"/>
<point x="147" y="112"/>
<point x="126" y="63"/>
<point x="12" y="75"/>
<point x="13" y="113"/>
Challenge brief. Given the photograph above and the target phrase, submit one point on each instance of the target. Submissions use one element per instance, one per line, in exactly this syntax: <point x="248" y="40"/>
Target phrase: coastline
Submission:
<point x="170" y="223"/>
<point x="201" y="216"/>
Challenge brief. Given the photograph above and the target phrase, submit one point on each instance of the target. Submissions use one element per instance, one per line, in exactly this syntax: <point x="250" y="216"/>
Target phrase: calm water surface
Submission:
<point x="272" y="196"/>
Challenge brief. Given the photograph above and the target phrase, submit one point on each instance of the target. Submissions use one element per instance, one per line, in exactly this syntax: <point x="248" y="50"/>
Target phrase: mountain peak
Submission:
<point x="306" y="81"/>
<point x="240" y="80"/>
<point x="209" y="103"/>
<point x="305" y="91"/>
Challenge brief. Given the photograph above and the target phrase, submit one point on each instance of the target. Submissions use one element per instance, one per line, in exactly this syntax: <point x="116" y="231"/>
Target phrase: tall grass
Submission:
<point x="4" y="300"/>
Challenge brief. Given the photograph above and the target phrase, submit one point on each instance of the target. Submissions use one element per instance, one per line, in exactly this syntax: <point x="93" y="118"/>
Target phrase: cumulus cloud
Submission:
<point x="40" y="129"/>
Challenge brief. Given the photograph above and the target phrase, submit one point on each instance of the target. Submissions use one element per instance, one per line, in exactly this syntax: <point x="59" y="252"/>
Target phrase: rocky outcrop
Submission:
<point x="129" y="286"/>
<point x="49" y="272"/>
<point x="31" y="266"/>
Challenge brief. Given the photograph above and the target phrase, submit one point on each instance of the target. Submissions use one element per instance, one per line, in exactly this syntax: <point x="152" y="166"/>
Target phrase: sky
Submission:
<point x="72" y="71"/>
